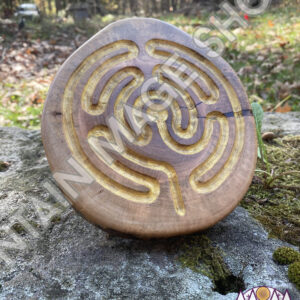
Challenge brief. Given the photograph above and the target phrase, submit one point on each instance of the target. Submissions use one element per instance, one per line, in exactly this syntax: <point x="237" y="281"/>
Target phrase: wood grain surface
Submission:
<point x="186" y="168"/>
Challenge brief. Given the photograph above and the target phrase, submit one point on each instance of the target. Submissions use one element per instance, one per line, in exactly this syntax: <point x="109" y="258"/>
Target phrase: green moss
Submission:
<point x="286" y="255"/>
<point x="278" y="207"/>
<point x="200" y="255"/>
<point x="56" y="219"/>
<point x="294" y="274"/>
<point x="19" y="228"/>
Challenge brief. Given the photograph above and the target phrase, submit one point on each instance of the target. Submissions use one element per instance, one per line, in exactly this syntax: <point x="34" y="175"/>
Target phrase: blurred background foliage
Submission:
<point x="265" y="55"/>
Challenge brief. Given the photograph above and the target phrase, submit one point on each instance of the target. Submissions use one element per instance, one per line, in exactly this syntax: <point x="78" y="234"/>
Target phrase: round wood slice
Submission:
<point x="147" y="134"/>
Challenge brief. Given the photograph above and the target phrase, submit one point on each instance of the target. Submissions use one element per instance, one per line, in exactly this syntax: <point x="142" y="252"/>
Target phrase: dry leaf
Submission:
<point x="283" y="109"/>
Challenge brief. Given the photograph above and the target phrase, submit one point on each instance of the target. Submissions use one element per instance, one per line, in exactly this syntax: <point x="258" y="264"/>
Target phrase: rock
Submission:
<point x="249" y="252"/>
<point x="65" y="257"/>
<point x="282" y="123"/>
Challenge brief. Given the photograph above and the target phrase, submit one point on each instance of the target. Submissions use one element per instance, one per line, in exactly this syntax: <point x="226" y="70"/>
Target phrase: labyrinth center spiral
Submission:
<point x="110" y="58"/>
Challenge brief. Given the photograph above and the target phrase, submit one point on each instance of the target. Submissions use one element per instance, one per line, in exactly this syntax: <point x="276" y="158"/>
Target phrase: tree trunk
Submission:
<point x="133" y="6"/>
<point x="123" y="6"/>
<point x="165" y="6"/>
<point x="49" y="5"/>
<point x="42" y="2"/>
<point x="147" y="7"/>
<point x="174" y="5"/>
<point x="154" y="6"/>
<point x="57" y="6"/>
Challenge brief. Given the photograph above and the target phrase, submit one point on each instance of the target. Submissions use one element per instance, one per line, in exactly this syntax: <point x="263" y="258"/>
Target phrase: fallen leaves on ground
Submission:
<point x="27" y="67"/>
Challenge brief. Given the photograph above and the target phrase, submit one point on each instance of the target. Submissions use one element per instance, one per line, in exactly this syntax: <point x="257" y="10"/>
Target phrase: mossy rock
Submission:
<point x="276" y="206"/>
<point x="286" y="256"/>
<point x="200" y="255"/>
<point x="294" y="274"/>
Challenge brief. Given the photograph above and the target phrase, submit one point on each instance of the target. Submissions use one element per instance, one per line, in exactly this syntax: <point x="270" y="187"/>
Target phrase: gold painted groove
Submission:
<point x="172" y="47"/>
<point x="218" y="152"/>
<point x="191" y="129"/>
<point x="103" y="131"/>
<point x="72" y="139"/>
<point x="156" y="47"/>
<point x="145" y="162"/>
<point x="216" y="181"/>
<point x="200" y="145"/>
<point x="90" y="86"/>
<point x="122" y="98"/>
<point x="213" y="183"/>
<point x="147" y="181"/>
<point x="151" y="183"/>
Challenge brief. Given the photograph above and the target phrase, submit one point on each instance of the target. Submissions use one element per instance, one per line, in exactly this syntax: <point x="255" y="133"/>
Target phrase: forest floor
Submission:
<point x="265" y="55"/>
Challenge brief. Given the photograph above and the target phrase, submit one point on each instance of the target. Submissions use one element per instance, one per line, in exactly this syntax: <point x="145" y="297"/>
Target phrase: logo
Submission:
<point x="263" y="293"/>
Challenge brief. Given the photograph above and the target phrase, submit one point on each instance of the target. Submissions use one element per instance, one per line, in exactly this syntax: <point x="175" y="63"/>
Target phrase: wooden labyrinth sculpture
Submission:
<point x="148" y="135"/>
